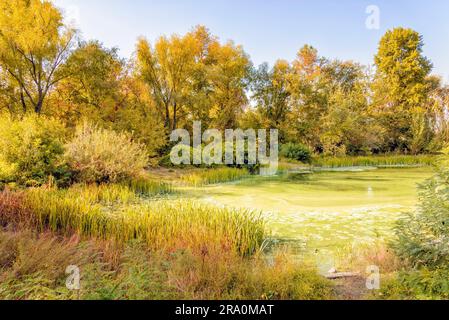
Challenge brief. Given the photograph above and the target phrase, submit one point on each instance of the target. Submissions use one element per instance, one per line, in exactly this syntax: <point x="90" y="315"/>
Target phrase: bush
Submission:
<point x="101" y="155"/>
<point x="423" y="236"/>
<point x="31" y="150"/>
<point x="297" y="152"/>
<point x="423" y="284"/>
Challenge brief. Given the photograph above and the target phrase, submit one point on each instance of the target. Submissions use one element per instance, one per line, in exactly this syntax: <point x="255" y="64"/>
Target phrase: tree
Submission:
<point x="34" y="43"/>
<point x="271" y="92"/>
<point x="102" y="88"/>
<point x="438" y="113"/>
<point x="308" y="99"/>
<point x="400" y="89"/>
<point x="194" y="77"/>
<point x="167" y="69"/>
<point x="347" y="126"/>
<point x="9" y="94"/>
<point x="92" y="87"/>
<point x="228" y="69"/>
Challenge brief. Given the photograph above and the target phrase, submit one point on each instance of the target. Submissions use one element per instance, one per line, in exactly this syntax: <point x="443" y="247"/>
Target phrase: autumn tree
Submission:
<point x="92" y="86"/>
<point x="34" y="43"/>
<point x="167" y="68"/>
<point x="228" y="69"/>
<point x="346" y="127"/>
<point x="194" y="77"/>
<point x="103" y="88"/>
<point x="308" y="100"/>
<point x="271" y="93"/>
<point x="400" y="90"/>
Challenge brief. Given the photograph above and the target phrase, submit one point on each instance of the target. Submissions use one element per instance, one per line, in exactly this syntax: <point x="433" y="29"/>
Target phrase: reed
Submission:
<point x="124" y="193"/>
<point x="149" y="187"/>
<point x="379" y="161"/>
<point x="213" y="176"/>
<point x="160" y="224"/>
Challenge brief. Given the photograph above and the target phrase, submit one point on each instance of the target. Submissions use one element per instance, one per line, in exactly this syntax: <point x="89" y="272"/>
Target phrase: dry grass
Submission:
<point x="35" y="269"/>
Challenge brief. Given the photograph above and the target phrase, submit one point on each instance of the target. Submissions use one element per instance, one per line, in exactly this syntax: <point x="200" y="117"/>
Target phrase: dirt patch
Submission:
<point x="353" y="288"/>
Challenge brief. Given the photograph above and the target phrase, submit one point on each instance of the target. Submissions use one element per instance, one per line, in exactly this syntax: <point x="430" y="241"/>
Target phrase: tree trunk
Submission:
<point x="174" y="116"/>
<point x="38" y="107"/>
<point x="167" y="123"/>
<point x="22" y="99"/>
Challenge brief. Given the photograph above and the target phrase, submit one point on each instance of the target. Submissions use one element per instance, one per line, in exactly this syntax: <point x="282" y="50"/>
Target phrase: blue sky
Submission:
<point x="268" y="29"/>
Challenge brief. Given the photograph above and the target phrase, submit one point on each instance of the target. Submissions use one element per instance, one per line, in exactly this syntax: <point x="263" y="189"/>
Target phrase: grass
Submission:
<point x="375" y="161"/>
<point x="131" y="246"/>
<point x="32" y="266"/>
<point x="214" y="176"/>
<point x="160" y="224"/>
<point x="148" y="187"/>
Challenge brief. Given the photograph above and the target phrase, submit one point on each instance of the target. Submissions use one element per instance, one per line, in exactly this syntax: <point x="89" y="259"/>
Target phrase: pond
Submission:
<point x="328" y="210"/>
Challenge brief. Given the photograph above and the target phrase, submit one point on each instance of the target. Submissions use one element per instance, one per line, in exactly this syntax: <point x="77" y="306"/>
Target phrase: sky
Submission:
<point x="269" y="29"/>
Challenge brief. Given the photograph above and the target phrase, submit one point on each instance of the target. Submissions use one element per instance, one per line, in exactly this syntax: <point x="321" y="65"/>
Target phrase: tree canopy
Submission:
<point x="333" y="107"/>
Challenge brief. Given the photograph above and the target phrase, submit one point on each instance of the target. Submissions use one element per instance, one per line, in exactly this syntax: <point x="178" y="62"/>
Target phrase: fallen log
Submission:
<point x="342" y="275"/>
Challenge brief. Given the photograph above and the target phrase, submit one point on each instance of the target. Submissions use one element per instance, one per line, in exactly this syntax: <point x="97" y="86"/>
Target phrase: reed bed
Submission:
<point x="125" y="193"/>
<point x="160" y="224"/>
<point x="379" y="161"/>
<point x="149" y="187"/>
<point x="214" y="176"/>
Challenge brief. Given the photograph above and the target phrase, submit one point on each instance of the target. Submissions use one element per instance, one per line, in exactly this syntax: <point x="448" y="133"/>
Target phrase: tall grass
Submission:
<point x="386" y="160"/>
<point x="149" y="187"/>
<point x="124" y="193"/>
<point x="160" y="224"/>
<point x="32" y="266"/>
<point x="213" y="176"/>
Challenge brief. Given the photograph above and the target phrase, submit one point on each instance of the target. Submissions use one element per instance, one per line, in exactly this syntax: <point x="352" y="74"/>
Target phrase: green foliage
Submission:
<point x="101" y="155"/>
<point x="423" y="236"/>
<point x="31" y="150"/>
<point x="92" y="86"/>
<point x="375" y="161"/>
<point x="401" y="91"/>
<point x="423" y="284"/>
<point x="297" y="152"/>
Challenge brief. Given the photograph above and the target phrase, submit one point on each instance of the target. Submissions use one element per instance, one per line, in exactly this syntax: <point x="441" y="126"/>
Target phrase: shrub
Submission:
<point x="297" y="152"/>
<point x="31" y="150"/>
<point x="423" y="236"/>
<point x="101" y="155"/>
<point x="423" y="284"/>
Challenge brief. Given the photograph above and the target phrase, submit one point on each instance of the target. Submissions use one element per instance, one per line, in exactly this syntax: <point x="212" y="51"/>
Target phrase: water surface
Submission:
<point x="326" y="210"/>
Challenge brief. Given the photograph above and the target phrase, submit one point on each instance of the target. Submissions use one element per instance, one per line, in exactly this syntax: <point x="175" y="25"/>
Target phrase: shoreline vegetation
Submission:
<point x="138" y="220"/>
<point x="376" y="161"/>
